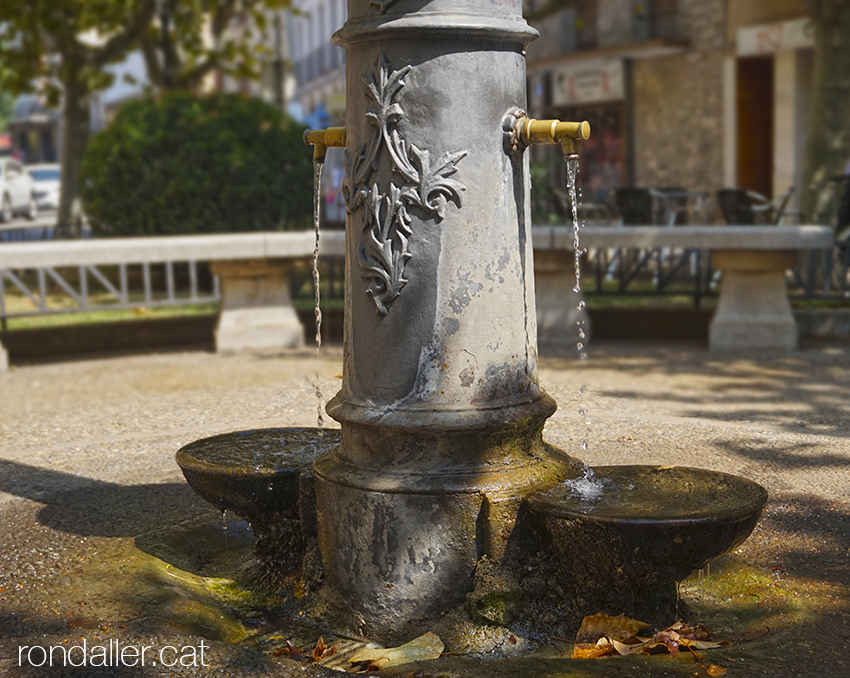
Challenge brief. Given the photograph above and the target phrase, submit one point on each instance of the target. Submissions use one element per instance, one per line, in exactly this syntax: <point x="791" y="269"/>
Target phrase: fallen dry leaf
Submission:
<point x="290" y="649"/>
<point x="426" y="646"/>
<point x="319" y="650"/>
<point x="670" y="640"/>
<point x="342" y="650"/>
<point x="715" y="670"/>
<point x="698" y="632"/>
<point x="601" y="648"/>
<point x="602" y="625"/>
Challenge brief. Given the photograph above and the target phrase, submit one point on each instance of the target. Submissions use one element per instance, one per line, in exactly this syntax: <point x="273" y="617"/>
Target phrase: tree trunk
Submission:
<point x="828" y="150"/>
<point x="75" y="136"/>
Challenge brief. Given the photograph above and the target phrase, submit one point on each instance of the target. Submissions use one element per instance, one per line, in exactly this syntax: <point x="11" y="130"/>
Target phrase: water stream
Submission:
<point x="317" y="212"/>
<point x="571" y="161"/>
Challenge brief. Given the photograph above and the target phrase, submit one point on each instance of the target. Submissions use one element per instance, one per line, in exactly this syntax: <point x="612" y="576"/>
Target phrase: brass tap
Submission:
<point x="323" y="139"/>
<point x="531" y="131"/>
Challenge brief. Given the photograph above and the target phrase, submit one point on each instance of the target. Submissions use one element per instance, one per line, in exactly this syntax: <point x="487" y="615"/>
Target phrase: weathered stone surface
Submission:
<point x="440" y="405"/>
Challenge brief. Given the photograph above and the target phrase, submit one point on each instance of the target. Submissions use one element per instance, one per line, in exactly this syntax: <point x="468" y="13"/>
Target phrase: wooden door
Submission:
<point x="755" y="125"/>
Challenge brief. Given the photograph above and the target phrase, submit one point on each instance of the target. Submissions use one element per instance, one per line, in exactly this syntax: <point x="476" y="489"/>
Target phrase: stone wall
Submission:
<point x="678" y="105"/>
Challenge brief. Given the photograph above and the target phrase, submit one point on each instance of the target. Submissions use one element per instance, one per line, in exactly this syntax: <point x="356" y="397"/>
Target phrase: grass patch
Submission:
<point x="330" y="304"/>
<point x="93" y="317"/>
<point x="646" y="301"/>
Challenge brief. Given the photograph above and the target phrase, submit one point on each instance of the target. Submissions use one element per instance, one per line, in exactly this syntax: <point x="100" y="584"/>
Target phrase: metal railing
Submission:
<point x="652" y="272"/>
<point x="820" y="274"/>
<point x="106" y="288"/>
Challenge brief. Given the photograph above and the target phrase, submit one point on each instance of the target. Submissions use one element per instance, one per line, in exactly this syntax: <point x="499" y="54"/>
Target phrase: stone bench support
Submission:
<point x="557" y="315"/>
<point x="753" y="310"/>
<point x="256" y="308"/>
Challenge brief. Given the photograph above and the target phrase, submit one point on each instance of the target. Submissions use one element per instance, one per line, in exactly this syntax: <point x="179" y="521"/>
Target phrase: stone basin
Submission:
<point x="257" y="473"/>
<point x="624" y="537"/>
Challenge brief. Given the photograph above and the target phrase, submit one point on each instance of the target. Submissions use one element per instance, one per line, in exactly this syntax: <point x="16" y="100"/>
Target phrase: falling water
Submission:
<point x="572" y="171"/>
<point x="317" y="206"/>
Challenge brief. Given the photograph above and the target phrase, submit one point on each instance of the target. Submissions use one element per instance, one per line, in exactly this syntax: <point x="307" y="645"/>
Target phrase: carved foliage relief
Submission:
<point x="416" y="181"/>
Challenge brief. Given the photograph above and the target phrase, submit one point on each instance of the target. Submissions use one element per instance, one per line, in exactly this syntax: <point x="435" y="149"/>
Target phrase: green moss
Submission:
<point x="498" y="608"/>
<point x="733" y="596"/>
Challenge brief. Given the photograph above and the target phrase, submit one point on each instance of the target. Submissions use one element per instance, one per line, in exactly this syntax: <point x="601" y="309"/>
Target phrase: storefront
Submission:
<point x="596" y="90"/>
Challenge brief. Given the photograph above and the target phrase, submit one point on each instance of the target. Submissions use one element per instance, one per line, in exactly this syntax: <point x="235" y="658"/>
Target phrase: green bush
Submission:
<point x="187" y="164"/>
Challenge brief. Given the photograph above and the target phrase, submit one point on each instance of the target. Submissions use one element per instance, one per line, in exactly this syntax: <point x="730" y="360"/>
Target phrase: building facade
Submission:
<point x="318" y="64"/>
<point x="691" y="94"/>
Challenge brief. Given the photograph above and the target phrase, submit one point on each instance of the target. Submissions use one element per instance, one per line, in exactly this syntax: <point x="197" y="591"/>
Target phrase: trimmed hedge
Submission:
<point x="181" y="163"/>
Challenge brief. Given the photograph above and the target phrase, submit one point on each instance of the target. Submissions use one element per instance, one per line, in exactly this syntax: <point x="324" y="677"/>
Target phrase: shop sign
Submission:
<point x="769" y="38"/>
<point x="588" y="82"/>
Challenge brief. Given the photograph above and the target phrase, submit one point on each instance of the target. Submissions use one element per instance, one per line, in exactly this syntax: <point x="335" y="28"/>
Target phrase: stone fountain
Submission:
<point x="441" y="466"/>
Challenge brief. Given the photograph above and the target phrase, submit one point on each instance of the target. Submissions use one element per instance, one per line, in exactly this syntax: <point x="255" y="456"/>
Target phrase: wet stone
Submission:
<point x="265" y="476"/>
<point x="624" y="539"/>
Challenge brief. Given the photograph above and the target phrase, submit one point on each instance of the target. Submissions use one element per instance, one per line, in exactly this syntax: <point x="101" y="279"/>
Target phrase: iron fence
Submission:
<point x="655" y="272"/>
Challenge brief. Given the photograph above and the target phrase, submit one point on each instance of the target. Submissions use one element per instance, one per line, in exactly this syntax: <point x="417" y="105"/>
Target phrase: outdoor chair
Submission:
<point x="635" y="206"/>
<point x="748" y="208"/>
<point x="674" y="203"/>
<point x="843" y="230"/>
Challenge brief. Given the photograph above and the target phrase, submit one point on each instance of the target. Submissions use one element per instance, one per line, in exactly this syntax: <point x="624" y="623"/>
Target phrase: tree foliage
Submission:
<point x="188" y="164"/>
<point x="193" y="38"/>
<point x="828" y="150"/>
<point x="62" y="47"/>
<point x="46" y="43"/>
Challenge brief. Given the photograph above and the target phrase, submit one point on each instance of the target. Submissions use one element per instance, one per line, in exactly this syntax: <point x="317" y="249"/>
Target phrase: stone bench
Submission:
<point x="752" y="312"/>
<point x="256" y="309"/>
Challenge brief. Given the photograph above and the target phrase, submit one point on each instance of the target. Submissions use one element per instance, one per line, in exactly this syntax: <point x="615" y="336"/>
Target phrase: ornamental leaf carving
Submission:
<point x="416" y="181"/>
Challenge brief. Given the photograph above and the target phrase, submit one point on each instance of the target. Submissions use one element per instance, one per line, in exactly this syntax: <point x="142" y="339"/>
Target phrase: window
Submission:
<point x="664" y="19"/>
<point x="587" y="33"/>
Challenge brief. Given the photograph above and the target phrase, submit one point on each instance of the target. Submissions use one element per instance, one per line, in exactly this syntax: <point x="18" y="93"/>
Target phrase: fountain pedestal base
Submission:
<point x="405" y="515"/>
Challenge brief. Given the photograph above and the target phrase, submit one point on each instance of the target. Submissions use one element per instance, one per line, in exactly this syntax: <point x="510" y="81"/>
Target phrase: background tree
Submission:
<point x="62" y="47"/>
<point x="181" y="163"/>
<point x="828" y="150"/>
<point x="6" y="108"/>
<point x="191" y="40"/>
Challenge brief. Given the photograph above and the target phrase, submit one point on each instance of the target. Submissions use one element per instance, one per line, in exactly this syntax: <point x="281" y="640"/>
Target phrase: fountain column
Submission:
<point x="440" y="406"/>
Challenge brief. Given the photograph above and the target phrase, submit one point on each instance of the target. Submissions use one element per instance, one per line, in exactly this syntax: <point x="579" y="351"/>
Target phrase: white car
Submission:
<point x="47" y="178"/>
<point x="17" y="191"/>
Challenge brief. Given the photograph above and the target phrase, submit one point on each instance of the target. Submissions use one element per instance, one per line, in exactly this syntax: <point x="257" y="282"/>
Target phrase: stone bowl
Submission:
<point x="256" y="473"/>
<point x="625" y="536"/>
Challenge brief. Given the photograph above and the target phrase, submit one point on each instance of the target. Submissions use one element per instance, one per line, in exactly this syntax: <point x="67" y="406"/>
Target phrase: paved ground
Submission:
<point x="90" y="494"/>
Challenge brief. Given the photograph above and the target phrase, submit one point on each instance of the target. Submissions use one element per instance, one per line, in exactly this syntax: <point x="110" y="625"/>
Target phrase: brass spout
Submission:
<point x="531" y="131"/>
<point x="323" y="139"/>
